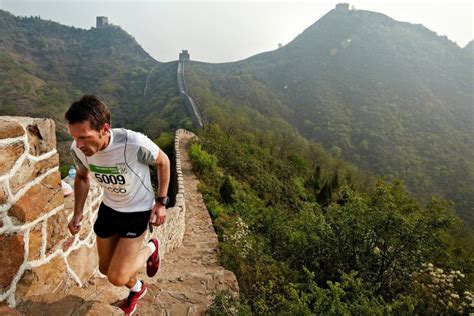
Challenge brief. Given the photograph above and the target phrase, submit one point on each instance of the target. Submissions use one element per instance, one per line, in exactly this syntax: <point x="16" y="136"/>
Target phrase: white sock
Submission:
<point x="137" y="287"/>
<point x="152" y="246"/>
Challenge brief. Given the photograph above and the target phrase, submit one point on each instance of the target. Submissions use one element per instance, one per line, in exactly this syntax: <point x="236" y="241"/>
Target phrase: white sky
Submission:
<point x="233" y="30"/>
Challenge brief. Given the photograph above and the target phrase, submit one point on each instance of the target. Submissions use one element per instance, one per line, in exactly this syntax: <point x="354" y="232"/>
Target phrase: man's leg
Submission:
<point x="105" y="249"/>
<point x="130" y="256"/>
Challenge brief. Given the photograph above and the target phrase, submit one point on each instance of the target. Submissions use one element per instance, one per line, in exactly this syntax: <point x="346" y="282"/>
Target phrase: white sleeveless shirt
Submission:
<point x="121" y="169"/>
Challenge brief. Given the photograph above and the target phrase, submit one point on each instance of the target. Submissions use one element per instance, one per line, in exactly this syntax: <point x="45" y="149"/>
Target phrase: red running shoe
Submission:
<point x="153" y="262"/>
<point x="130" y="303"/>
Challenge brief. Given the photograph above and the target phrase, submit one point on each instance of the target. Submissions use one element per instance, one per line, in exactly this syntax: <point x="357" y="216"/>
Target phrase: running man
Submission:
<point x="118" y="159"/>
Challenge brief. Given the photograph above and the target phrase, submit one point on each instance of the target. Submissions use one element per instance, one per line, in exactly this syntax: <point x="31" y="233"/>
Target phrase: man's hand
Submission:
<point x="74" y="225"/>
<point x="158" y="214"/>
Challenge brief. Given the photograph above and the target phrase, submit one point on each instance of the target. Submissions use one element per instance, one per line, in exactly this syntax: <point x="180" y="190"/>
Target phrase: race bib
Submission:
<point x="114" y="179"/>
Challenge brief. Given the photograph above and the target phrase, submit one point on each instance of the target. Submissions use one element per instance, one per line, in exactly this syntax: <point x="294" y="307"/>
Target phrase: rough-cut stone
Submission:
<point x="5" y="310"/>
<point x="69" y="203"/>
<point x="86" y="227"/>
<point x="83" y="262"/>
<point x="35" y="242"/>
<point x="47" y="278"/>
<point x="56" y="230"/>
<point x="41" y="136"/>
<point x="38" y="200"/>
<point x="9" y="154"/>
<point x="30" y="170"/>
<point x="3" y="194"/>
<point x="11" y="257"/>
<point x="60" y="304"/>
<point x="10" y="129"/>
<point x="67" y="243"/>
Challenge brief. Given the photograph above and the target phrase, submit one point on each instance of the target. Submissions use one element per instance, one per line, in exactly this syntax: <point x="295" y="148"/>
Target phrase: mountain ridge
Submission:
<point x="392" y="97"/>
<point x="384" y="94"/>
<point x="45" y="66"/>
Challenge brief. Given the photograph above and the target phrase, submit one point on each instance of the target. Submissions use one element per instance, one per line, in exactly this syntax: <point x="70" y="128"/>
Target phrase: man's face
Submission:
<point x="88" y="140"/>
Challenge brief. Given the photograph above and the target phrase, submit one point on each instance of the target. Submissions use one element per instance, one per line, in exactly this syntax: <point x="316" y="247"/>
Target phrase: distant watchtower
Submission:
<point x="184" y="55"/>
<point x="342" y="6"/>
<point x="102" y="21"/>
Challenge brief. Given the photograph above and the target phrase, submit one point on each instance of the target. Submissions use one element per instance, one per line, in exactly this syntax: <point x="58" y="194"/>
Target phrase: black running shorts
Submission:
<point x="127" y="225"/>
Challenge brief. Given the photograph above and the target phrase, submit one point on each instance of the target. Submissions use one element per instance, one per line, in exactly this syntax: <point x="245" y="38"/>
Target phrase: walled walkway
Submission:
<point x="189" y="277"/>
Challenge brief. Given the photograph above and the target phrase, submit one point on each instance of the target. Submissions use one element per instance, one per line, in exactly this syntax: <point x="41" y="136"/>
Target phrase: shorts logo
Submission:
<point x="131" y="234"/>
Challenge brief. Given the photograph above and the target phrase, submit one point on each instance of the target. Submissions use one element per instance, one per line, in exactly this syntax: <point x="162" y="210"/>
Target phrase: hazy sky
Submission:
<point x="233" y="30"/>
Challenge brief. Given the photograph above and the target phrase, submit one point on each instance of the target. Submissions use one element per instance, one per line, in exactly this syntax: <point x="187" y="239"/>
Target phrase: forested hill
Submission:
<point x="45" y="66"/>
<point x="390" y="96"/>
<point x="469" y="48"/>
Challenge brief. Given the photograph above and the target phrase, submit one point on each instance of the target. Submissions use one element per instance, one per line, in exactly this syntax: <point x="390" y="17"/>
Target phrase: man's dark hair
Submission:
<point x="88" y="108"/>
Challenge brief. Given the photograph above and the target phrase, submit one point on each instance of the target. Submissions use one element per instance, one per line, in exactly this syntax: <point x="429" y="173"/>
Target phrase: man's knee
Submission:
<point x="118" y="278"/>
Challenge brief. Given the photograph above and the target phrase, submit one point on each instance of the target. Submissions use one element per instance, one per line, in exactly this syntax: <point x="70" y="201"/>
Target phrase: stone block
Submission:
<point x="95" y="206"/>
<point x="12" y="254"/>
<point x="39" y="200"/>
<point x="69" y="203"/>
<point x="56" y="231"/>
<point x="47" y="278"/>
<point x="60" y="304"/>
<point x="68" y="243"/>
<point x="30" y="170"/>
<point x="35" y="242"/>
<point x="6" y="310"/>
<point x="3" y="194"/>
<point x="9" y="129"/>
<point x="9" y="154"/>
<point x="41" y="136"/>
<point x="83" y="262"/>
<point x="86" y="226"/>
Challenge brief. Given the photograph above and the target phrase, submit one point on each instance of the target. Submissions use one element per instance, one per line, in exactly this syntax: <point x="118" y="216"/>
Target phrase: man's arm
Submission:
<point x="81" y="189"/>
<point x="158" y="214"/>
<point x="163" y="172"/>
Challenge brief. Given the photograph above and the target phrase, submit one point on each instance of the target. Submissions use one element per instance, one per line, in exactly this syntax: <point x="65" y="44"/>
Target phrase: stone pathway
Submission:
<point x="189" y="276"/>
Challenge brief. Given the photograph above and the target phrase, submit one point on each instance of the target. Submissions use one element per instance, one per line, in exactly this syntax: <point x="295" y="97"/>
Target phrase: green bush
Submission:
<point x="226" y="304"/>
<point x="204" y="163"/>
<point x="166" y="142"/>
<point x="227" y="191"/>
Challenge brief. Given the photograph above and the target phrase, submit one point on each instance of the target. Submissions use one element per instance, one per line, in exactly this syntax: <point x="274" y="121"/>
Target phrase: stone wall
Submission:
<point x="171" y="234"/>
<point x="190" y="103"/>
<point x="37" y="253"/>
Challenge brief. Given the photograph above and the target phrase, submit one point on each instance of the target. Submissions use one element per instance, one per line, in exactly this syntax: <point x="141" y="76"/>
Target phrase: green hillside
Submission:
<point x="391" y="97"/>
<point x="469" y="48"/>
<point x="45" y="66"/>
<point x="308" y="234"/>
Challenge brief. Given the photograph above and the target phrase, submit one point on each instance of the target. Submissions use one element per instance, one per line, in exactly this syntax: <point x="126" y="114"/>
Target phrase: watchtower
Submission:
<point x="342" y="6"/>
<point x="184" y="55"/>
<point x="102" y="21"/>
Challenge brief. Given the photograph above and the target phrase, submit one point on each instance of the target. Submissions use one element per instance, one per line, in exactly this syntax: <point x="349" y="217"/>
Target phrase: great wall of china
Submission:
<point x="45" y="268"/>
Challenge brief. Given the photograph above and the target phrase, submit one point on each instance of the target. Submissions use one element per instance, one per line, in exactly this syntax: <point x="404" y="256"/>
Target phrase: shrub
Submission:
<point x="226" y="304"/>
<point x="204" y="163"/>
